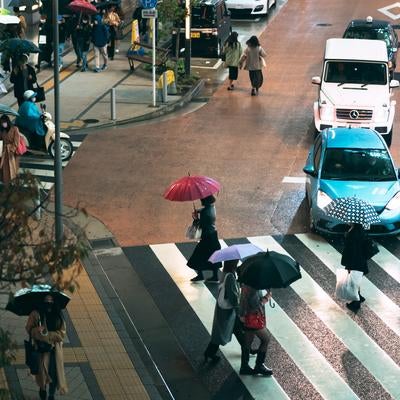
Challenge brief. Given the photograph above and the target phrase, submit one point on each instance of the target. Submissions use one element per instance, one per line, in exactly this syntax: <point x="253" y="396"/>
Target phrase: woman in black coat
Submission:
<point x="23" y="77"/>
<point x="354" y="256"/>
<point x="208" y="242"/>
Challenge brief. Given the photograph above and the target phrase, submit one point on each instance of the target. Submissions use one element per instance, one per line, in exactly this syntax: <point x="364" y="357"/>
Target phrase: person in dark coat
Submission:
<point x="23" y="77"/>
<point x="208" y="242"/>
<point x="45" y="42"/>
<point x="226" y="320"/>
<point x="72" y="32"/>
<point x="100" y="37"/>
<point x="354" y="256"/>
<point x="83" y="37"/>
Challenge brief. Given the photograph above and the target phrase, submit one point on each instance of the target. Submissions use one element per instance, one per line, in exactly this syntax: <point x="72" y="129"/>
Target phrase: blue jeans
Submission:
<point x="60" y="51"/>
<point x="84" y="59"/>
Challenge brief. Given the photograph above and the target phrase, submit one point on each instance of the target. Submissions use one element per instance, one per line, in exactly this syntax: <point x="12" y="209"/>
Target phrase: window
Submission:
<point x="317" y="152"/>
<point x="357" y="165"/>
<point x="365" y="73"/>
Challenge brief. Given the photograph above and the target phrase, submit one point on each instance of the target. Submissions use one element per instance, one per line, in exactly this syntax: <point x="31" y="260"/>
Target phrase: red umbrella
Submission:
<point x="82" y="6"/>
<point x="190" y="188"/>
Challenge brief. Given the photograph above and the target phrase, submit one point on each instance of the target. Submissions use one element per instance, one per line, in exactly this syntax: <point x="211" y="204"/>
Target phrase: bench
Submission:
<point x="161" y="55"/>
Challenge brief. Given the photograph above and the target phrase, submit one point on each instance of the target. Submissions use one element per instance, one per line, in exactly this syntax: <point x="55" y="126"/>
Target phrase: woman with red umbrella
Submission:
<point x="208" y="242"/>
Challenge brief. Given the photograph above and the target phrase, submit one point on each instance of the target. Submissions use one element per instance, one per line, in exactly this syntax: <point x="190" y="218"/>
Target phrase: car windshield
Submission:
<point x="369" y="33"/>
<point x="202" y="15"/>
<point x="357" y="165"/>
<point x="366" y="73"/>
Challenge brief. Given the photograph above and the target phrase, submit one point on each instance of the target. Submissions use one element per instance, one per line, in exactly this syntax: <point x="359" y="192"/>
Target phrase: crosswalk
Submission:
<point x="42" y="166"/>
<point x="319" y="349"/>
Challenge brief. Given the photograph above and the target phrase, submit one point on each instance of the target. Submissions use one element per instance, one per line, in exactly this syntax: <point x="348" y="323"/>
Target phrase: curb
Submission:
<point x="163" y="110"/>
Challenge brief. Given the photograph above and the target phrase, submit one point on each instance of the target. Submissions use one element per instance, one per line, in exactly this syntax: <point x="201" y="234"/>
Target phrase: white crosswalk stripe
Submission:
<point x="357" y="340"/>
<point x="42" y="166"/>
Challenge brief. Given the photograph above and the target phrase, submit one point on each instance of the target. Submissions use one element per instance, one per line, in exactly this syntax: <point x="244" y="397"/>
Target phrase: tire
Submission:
<point x="67" y="149"/>
<point x="388" y="138"/>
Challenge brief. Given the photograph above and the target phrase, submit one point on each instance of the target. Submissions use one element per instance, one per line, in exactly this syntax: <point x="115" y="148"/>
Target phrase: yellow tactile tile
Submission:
<point x="3" y="380"/>
<point x="108" y="382"/>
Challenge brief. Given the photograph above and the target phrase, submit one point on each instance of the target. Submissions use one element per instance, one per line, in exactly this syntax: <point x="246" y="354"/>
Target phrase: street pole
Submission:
<point x="154" y="60"/>
<point x="188" y="45"/>
<point x="58" y="192"/>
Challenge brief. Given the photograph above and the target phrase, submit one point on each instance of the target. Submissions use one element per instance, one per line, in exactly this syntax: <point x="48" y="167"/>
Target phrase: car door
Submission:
<point x="314" y="161"/>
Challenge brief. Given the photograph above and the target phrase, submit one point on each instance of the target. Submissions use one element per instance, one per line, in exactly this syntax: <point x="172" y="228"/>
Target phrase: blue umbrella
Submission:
<point x="7" y="110"/>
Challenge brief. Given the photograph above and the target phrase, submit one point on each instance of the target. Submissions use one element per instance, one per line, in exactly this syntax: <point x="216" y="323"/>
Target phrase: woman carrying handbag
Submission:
<point x="252" y="314"/>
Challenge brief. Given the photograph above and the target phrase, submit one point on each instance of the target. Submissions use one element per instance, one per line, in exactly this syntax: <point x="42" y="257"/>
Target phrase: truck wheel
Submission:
<point x="388" y="137"/>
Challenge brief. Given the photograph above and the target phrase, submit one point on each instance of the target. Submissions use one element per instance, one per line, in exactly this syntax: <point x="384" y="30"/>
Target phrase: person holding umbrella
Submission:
<point x="9" y="135"/>
<point x="208" y="242"/>
<point x="226" y="320"/>
<point x="23" y="77"/>
<point x="46" y="326"/>
<point x="252" y="314"/>
<point x="355" y="257"/>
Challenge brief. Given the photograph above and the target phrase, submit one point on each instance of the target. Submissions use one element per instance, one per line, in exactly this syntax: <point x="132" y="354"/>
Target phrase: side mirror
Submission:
<point x="316" y="80"/>
<point x="394" y="49"/>
<point x="309" y="170"/>
<point x="394" y="83"/>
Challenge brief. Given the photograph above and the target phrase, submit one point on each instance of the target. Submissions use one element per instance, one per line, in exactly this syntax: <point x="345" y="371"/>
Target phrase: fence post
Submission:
<point x="113" y="105"/>
<point x="165" y="87"/>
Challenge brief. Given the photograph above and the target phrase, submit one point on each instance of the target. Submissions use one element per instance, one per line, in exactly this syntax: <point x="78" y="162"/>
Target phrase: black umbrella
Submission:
<point x="269" y="270"/>
<point x="17" y="46"/>
<point x="23" y="3"/>
<point x="26" y="300"/>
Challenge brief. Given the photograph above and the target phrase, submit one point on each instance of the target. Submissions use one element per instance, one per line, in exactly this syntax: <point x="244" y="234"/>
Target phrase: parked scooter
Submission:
<point x="45" y="144"/>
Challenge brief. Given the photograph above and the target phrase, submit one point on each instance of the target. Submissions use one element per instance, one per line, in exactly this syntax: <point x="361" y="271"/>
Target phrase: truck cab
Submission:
<point x="355" y="88"/>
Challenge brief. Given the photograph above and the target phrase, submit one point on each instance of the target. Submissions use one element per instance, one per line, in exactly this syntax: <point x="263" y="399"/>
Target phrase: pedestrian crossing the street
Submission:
<point x="319" y="349"/>
<point x="42" y="166"/>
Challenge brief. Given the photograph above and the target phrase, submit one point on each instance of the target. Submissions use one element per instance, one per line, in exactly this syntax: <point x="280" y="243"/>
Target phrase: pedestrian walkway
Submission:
<point x="85" y="97"/>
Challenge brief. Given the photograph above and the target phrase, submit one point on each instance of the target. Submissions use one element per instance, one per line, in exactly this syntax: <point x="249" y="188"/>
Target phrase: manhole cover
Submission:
<point x="324" y="24"/>
<point x="90" y="121"/>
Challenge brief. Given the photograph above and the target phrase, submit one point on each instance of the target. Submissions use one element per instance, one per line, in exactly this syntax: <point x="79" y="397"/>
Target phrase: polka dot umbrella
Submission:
<point x="352" y="210"/>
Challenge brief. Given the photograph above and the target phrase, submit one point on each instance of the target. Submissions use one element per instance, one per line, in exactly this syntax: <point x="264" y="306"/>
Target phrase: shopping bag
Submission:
<point x="348" y="284"/>
<point x="40" y="94"/>
<point x="194" y="230"/>
<point x="22" y="148"/>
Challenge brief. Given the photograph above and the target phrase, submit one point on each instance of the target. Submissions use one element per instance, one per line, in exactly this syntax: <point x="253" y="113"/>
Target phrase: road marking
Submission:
<point x="294" y="179"/>
<point x="385" y="10"/>
<point x="378" y="363"/>
<point x="202" y="302"/>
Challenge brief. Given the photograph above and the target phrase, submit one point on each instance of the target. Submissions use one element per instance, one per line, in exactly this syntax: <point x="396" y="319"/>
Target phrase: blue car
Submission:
<point x="347" y="162"/>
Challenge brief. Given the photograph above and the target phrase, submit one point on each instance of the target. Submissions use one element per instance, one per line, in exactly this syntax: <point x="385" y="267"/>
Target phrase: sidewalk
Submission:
<point x="85" y="96"/>
<point x="104" y="355"/>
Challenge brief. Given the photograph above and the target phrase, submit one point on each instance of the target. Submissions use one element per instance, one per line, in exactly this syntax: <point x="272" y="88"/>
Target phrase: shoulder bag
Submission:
<point x="194" y="230"/>
<point x="22" y="145"/>
<point x="40" y="95"/>
<point x="32" y="356"/>
<point x="371" y="248"/>
<point x="255" y="320"/>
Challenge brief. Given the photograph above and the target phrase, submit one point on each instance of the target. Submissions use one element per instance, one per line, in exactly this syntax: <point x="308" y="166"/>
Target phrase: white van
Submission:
<point x="247" y="8"/>
<point x="355" y="90"/>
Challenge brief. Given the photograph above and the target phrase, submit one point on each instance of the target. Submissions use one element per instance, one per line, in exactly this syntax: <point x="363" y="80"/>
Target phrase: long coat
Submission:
<point x="23" y="79"/>
<point x="208" y="242"/>
<point x="354" y="255"/>
<point x="9" y="161"/>
<point x="224" y="320"/>
<point x="55" y="338"/>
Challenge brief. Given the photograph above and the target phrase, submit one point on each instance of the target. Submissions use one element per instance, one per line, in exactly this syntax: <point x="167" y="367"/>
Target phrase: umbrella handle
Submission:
<point x="271" y="304"/>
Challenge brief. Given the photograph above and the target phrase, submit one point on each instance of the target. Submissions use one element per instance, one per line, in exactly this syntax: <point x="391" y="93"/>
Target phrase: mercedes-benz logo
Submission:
<point x="354" y="114"/>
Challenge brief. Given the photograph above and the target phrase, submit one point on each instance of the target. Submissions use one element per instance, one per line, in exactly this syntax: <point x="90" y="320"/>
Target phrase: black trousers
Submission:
<point x="111" y="45"/>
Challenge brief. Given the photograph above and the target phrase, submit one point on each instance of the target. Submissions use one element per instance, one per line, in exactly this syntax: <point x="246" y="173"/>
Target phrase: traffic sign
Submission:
<point x="148" y="4"/>
<point x="149" y="13"/>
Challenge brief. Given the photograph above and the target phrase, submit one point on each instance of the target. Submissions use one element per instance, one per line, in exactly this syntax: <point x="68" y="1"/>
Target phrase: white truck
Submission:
<point x="355" y="89"/>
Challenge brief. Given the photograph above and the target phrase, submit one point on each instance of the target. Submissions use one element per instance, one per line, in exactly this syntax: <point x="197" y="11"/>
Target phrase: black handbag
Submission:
<point x="371" y="249"/>
<point x="43" y="347"/>
<point x="40" y="95"/>
<point x="32" y="356"/>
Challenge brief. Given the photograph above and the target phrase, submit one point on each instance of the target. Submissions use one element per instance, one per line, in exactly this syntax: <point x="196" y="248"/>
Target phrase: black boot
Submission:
<point x="245" y="369"/>
<point x="42" y="394"/>
<point x="362" y="298"/>
<point x="260" y="368"/>
<point x="354" y="306"/>
<point x="198" y="278"/>
<point x="211" y="351"/>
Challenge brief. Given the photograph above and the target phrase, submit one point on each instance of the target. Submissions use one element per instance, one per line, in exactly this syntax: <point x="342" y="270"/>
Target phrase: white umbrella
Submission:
<point x="9" y="19"/>
<point x="235" y="252"/>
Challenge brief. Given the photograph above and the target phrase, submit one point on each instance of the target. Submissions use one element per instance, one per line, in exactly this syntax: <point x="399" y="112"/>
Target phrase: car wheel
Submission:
<point x="66" y="148"/>
<point x="388" y="137"/>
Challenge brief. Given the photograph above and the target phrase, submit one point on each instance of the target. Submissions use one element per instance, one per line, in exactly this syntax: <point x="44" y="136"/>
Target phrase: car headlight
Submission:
<point x="322" y="199"/>
<point x="394" y="202"/>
